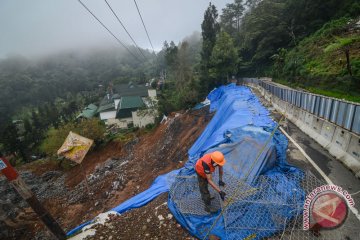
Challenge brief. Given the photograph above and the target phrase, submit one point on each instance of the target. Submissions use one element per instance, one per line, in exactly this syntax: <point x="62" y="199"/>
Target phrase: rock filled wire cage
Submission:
<point x="271" y="207"/>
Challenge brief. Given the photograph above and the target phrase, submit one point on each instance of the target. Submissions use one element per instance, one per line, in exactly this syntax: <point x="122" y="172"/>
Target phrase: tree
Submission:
<point x="251" y="4"/>
<point x="12" y="142"/>
<point x="343" y="45"/>
<point x="37" y="129"/>
<point x="28" y="133"/>
<point x="231" y="17"/>
<point x="52" y="114"/>
<point x="182" y="86"/>
<point x="92" y="128"/>
<point x="183" y="68"/>
<point x="224" y="59"/>
<point x="171" y="55"/>
<point x="210" y="28"/>
<point x="69" y="111"/>
<point x="279" y="61"/>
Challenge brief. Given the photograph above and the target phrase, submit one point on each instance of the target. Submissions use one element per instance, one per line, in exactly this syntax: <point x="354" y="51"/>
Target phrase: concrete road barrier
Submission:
<point x="339" y="141"/>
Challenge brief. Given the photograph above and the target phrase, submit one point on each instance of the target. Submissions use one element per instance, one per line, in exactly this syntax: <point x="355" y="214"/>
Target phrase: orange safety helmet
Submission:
<point x="218" y="158"/>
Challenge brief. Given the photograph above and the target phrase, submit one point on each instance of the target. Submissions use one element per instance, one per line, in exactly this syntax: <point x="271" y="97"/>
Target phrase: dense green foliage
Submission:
<point x="26" y="82"/>
<point x="181" y="81"/>
<point x="44" y="93"/>
<point x="326" y="62"/>
<point x="92" y="128"/>
<point x="223" y="59"/>
<point x="274" y="24"/>
<point x="210" y="28"/>
<point x="307" y="43"/>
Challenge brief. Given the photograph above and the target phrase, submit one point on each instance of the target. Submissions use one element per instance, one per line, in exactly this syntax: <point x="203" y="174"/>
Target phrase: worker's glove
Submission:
<point x="222" y="195"/>
<point x="221" y="183"/>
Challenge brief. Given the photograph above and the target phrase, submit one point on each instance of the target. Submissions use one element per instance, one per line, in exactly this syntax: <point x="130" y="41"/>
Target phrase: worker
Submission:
<point x="204" y="168"/>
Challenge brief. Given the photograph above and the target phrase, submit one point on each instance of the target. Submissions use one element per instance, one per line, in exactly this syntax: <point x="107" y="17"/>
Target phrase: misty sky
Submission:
<point x="33" y="28"/>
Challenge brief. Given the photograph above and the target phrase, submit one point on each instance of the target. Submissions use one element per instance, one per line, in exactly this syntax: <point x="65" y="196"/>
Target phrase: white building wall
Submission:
<point x="120" y="123"/>
<point x="107" y="115"/>
<point x="152" y="93"/>
<point x="141" y="120"/>
<point x="116" y="101"/>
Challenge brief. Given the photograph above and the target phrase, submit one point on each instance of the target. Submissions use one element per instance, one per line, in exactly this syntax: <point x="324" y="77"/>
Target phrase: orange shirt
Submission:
<point x="205" y="160"/>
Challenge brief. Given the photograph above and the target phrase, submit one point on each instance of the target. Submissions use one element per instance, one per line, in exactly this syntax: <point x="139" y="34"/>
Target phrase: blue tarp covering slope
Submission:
<point x="239" y="128"/>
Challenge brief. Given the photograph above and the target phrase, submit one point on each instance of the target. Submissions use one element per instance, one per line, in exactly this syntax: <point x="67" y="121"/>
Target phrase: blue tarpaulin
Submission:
<point x="240" y="128"/>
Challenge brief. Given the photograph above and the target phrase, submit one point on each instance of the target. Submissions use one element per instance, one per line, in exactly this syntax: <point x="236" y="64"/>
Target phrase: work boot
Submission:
<point x="210" y="209"/>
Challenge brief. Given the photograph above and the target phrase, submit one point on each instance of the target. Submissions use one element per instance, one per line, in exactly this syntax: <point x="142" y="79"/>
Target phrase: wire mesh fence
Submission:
<point x="270" y="208"/>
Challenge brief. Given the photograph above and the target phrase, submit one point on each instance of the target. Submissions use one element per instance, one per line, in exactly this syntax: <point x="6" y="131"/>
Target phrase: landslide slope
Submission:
<point x="115" y="173"/>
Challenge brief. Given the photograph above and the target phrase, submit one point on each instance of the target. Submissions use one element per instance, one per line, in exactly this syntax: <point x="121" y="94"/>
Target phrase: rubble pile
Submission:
<point x="114" y="173"/>
<point x="156" y="223"/>
<point x="15" y="211"/>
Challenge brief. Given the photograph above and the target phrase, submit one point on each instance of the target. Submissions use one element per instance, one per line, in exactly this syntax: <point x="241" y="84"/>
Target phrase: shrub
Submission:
<point x="92" y="128"/>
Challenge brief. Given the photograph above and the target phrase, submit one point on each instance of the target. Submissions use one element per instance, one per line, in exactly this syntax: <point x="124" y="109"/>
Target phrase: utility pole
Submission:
<point x="20" y="186"/>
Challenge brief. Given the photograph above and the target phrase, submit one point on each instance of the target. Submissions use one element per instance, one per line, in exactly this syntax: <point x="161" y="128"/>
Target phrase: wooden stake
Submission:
<point x="86" y="181"/>
<point x="20" y="186"/>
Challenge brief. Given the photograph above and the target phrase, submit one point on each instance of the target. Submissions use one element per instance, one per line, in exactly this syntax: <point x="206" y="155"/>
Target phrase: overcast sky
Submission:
<point x="33" y="28"/>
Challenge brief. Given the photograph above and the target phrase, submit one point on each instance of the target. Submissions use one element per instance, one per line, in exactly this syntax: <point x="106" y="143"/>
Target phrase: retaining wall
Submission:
<point x="342" y="143"/>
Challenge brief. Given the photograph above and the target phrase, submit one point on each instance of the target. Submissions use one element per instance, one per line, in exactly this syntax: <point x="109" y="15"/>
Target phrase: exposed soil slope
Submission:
<point x="115" y="173"/>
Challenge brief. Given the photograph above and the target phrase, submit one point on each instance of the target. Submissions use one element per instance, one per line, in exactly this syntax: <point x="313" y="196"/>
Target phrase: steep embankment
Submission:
<point x="327" y="62"/>
<point x="115" y="173"/>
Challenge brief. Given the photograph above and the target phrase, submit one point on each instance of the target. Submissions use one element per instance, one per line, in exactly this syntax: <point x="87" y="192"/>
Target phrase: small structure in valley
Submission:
<point x="88" y="112"/>
<point x="130" y="105"/>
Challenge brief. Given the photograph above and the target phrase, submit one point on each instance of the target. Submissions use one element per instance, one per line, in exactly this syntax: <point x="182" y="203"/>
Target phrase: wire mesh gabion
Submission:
<point x="270" y="208"/>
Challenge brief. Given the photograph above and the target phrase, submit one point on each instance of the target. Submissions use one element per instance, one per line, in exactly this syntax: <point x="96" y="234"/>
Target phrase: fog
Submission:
<point x="35" y="28"/>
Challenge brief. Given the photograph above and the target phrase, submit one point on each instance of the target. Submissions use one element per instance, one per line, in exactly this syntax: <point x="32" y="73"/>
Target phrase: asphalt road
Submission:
<point x="333" y="169"/>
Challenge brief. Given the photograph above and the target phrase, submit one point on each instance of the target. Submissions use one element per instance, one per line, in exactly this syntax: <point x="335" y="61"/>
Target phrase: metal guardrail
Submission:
<point x="342" y="113"/>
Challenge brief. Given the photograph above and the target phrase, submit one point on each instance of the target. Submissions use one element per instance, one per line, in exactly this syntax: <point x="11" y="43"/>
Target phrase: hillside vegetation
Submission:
<point x="327" y="62"/>
<point x="297" y="42"/>
<point x="33" y="82"/>
<point x="313" y="45"/>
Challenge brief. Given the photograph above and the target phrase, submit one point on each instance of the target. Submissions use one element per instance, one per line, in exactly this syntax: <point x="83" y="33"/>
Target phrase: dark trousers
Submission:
<point x="204" y="190"/>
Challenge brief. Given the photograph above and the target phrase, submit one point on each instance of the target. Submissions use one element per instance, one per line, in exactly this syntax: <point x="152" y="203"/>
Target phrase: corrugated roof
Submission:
<point x="131" y="90"/>
<point x="130" y="99"/>
<point x="106" y="107"/>
<point x="116" y="96"/>
<point x="87" y="114"/>
<point x="92" y="107"/>
<point x="89" y="111"/>
<point x="131" y="102"/>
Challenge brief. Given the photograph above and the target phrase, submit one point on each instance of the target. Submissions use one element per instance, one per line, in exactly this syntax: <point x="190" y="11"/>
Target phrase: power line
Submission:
<point x="125" y="29"/>
<point x="144" y="25"/>
<point x="122" y="44"/>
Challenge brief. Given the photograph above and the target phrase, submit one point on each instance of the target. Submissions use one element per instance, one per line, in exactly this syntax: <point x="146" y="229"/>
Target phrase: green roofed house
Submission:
<point x="88" y="112"/>
<point x="122" y="108"/>
<point x="128" y="105"/>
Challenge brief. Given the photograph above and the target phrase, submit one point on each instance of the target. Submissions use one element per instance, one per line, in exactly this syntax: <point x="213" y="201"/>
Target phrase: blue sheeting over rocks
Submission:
<point x="240" y="128"/>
